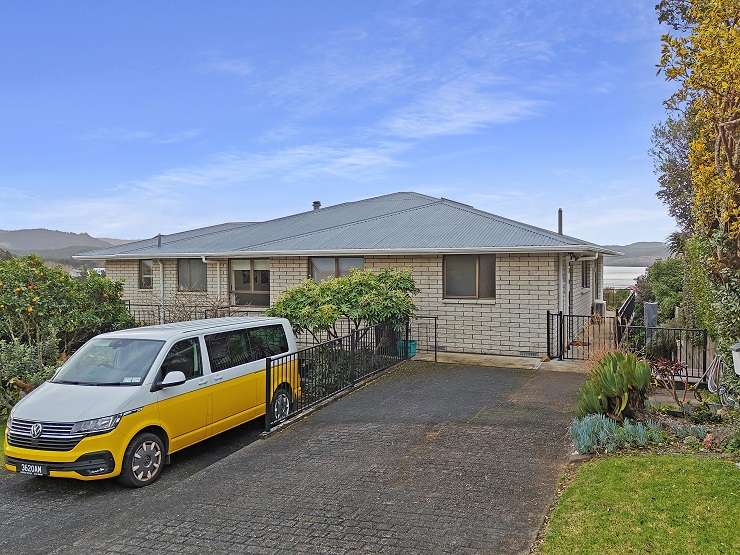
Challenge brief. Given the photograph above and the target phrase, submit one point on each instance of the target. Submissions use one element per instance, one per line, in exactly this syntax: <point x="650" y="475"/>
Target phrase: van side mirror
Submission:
<point x="170" y="380"/>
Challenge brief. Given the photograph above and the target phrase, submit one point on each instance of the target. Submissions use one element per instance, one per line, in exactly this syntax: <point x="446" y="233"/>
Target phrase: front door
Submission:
<point x="185" y="408"/>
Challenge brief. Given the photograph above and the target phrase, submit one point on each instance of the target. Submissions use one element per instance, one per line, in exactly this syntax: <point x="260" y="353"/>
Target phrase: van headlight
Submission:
<point x="97" y="425"/>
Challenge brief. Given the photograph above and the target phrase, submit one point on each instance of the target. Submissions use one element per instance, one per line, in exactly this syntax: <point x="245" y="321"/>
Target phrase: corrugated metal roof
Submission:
<point x="398" y="222"/>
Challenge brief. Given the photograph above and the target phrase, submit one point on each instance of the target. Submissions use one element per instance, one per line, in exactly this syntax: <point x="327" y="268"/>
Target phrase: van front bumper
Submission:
<point x="94" y="458"/>
<point x="90" y="466"/>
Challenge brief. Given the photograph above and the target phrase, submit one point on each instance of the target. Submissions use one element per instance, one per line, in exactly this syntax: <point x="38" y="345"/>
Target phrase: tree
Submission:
<point x="38" y="301"/>
<point x="670" y="152"/>
<point x="703" y="57"/>
<point x="364" y="298"/>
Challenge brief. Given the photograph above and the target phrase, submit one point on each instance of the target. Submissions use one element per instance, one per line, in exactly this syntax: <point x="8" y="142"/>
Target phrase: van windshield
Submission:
<point x="110" y="362"/>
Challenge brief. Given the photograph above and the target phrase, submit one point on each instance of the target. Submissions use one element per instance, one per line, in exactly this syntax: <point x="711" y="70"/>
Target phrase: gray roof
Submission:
<point x="397" y="223"/>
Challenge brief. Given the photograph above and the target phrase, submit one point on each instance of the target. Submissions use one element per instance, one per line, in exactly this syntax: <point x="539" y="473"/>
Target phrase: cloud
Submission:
<point x="232" y="66"/>
<point x="458" y="107"/>
<point x="119" y="134"/>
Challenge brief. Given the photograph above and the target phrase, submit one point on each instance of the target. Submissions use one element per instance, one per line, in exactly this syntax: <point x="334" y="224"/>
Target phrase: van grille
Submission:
<point x="55" y="436"/>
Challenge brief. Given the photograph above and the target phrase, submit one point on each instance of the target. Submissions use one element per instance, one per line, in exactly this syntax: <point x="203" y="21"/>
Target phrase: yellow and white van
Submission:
<point x="128" y="399"/>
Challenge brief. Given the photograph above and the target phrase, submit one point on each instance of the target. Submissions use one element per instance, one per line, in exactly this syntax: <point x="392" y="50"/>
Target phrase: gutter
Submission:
<point x="354" y="252"/>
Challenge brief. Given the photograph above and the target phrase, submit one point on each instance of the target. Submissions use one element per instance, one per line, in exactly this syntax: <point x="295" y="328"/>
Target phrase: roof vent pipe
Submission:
<point x="560" y="221"/>
<point x="159" y="240"/>
<point x="316" y="204"/>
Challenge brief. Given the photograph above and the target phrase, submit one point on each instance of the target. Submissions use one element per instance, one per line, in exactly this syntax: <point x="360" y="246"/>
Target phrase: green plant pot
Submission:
<point x="402" y="345"/>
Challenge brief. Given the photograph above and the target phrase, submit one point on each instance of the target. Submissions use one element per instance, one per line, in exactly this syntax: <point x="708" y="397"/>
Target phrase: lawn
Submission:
<point x="648" y="504"/>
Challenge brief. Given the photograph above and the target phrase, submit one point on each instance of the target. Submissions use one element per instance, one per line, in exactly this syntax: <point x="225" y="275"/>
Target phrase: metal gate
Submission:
<point x="580" y="337"/>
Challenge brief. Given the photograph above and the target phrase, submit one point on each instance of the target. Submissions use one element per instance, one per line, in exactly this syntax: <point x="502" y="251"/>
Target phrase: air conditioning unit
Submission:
<point x="600" y="307"/>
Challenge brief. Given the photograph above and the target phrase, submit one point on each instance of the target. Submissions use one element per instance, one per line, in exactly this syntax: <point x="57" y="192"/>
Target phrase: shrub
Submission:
<point x="682" y="431"/>
<point x="617" y="387"/>
<point x="37" y="301"/>
<point x="23" y="367"/>
<point x="598" y="433"/>
<point x="732" y="445"/>
<point x="363" y="297"/>
<point x="702" y="414"/>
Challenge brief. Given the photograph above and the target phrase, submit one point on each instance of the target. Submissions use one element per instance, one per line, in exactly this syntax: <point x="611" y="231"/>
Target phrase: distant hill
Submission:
<point x="643" y="253"/>
<point x="53" y="245"/>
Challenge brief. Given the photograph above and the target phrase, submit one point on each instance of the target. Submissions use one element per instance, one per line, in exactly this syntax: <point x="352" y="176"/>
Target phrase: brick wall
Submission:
<point x="128" y="272"/>
<point x="513" y="323"/>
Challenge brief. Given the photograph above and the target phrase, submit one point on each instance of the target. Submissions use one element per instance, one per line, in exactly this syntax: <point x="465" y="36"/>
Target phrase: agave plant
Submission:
<point x="617" y="387"/>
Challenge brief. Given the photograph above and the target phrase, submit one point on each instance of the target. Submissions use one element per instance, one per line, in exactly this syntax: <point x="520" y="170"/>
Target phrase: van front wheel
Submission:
<point x="143" y="461"/>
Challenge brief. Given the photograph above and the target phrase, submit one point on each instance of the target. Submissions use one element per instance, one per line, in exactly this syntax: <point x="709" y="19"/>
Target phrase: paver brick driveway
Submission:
<point x="429" y="458"/>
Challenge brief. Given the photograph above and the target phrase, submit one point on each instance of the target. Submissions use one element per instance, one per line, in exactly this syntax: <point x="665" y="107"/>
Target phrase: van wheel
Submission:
<point x="281" y="405"/>
<point x="143" y="461"/>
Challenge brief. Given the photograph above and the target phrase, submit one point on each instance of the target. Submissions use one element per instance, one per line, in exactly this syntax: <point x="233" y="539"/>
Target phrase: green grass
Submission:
<point x="648" y="504"/>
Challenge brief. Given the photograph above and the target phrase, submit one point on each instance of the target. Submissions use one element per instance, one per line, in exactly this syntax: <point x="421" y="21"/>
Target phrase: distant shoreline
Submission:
<point x="621" y="276"/>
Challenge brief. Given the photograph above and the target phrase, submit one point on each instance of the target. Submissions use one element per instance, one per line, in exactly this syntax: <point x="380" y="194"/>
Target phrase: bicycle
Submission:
<point x="715" y="385"/>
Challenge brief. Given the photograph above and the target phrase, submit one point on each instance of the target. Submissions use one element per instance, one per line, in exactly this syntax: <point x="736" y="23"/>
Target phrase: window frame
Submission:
<point x="199" y="348"/>
<point x="477" y="278"/>
<point x="336" y="264"/>
<point x="245" y="337"/>
<point x="142" y="276"/>
<point x="190" y="280"/>
<point x="585" y="274"/>
<point x="251" y="289"/>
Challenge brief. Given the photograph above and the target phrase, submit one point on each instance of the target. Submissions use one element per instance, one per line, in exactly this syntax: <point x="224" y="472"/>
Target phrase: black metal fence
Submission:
<point x="313" y="374"/>
<point x="685" y="345"/>
<point x="154" y="314"/>
<point x="579" y="337"/>
<point x="424" y="335"/>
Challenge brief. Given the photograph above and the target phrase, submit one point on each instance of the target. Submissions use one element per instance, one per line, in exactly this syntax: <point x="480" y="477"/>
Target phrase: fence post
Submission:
<point x="549" y="353"/>
<point x="406" y="343"/>
<point x="268" y="393"/>
<point x="435" y="339"/>
<point x="704" y="354"/>
<point x="561" y="335"/>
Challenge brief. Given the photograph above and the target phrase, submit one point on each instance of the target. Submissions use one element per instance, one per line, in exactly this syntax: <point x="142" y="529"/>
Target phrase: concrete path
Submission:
<point x="429" y="458"/>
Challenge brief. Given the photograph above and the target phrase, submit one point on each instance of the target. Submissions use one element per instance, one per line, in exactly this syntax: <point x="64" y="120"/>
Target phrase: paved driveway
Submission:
<point x="429" y="458"/>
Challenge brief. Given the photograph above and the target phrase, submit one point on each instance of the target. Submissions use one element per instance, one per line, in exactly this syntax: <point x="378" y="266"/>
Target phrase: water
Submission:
<point x="622" y="276"/>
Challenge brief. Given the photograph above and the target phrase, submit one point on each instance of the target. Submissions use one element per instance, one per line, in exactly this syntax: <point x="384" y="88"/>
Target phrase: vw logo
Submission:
<point x="36" y="430"/>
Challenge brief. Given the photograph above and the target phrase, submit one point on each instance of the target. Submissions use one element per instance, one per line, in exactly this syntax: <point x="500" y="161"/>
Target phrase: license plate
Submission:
<point x="32" y="469"/>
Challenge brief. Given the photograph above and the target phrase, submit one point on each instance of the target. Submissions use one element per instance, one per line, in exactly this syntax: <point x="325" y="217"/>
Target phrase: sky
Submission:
<point x="128" y="119"/>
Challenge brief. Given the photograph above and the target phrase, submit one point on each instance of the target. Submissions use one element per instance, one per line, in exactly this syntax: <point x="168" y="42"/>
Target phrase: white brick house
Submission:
<point x="489" y="280"/>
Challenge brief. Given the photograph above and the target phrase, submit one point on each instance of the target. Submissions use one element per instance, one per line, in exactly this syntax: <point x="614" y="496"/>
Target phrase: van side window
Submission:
<point x="184" y="356"/>
<point x="267" y="341"/>
<point x="227" y="349"/>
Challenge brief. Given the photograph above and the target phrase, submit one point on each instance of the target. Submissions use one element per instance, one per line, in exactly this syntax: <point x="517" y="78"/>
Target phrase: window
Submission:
<point x="470" y="276"/>
<point x="183" y="357"/>
<point x="227" y="349"/>
<point x="267" y="341"/>
<point x="324" y="267"/>
<point x="146" y="280"/>
<point x="585" y="274"/>
<point x="251" y="282"/>
<point x="191" y="274"/>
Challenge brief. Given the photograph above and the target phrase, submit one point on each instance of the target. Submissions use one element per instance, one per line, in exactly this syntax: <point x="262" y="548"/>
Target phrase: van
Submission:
<point x="127" y="400"/>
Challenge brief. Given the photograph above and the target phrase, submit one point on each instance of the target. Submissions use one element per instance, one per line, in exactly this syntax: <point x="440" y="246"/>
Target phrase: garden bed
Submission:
<point x="647" y="504"/>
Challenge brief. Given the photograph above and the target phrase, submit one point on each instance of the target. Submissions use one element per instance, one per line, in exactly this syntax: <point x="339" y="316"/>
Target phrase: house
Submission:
<point x="489" y="280"/>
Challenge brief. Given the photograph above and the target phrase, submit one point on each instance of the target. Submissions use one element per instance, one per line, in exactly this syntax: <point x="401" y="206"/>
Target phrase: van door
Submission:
<point x="233" y="394"/>
<point x="270" y="341"/>
<point x="184" y="408"/>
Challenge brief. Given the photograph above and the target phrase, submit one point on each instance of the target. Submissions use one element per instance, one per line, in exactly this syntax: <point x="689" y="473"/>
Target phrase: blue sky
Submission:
<point x="126" y="119"/>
